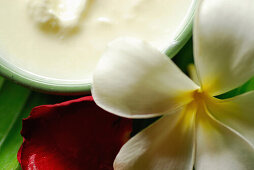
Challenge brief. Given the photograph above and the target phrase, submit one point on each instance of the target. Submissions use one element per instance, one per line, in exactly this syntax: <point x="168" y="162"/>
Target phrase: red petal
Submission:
<point x="73" y="135"/>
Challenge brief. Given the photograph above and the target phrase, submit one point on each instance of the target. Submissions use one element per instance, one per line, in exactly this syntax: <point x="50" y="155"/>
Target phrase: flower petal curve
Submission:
<point x="236" y="112"/>
<point x="166" y="144"/>
<point x="223" y="44"/>
<point x="135" y="80"/>
<point x="74" y="135"/>
<point x="219" y="147"/>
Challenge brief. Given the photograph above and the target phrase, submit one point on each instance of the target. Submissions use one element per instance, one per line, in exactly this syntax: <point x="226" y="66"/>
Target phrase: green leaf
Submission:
<point x="249" y="86"/>
<point x="12" y="101"/>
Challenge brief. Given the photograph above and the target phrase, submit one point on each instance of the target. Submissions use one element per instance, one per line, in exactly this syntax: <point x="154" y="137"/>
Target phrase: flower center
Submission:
<point x="199" y="97"/>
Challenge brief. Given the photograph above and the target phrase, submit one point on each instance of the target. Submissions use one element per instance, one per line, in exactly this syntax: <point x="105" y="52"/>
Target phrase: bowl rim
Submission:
<point x="52" y="86"/>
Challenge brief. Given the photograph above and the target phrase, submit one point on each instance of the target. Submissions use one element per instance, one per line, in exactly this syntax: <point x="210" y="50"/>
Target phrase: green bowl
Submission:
<point x="52" y="86"/>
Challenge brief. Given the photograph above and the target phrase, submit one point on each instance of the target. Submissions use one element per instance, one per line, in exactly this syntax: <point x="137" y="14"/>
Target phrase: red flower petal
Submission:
<point x="73" y="135"/>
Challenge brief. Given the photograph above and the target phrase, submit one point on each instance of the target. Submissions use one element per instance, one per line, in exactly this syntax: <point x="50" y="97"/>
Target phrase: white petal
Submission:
<point x="223" y="44"/>
<point x="220" y="148"/>
<point x="237" y="113"/>
<point x="135" y="80"/>
<point x="168" y="144"/>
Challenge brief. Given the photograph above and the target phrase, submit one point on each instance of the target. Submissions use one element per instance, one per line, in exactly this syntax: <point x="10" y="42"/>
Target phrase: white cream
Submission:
<point x="33" y="38"/>
<point x="62" y="13"/>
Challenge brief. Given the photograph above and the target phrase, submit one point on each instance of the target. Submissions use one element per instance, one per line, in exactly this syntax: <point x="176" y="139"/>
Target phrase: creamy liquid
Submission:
<point x="72" y="53"/>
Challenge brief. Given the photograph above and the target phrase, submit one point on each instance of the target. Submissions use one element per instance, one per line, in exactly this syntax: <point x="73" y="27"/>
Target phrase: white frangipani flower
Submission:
<point x="135" y="80"/>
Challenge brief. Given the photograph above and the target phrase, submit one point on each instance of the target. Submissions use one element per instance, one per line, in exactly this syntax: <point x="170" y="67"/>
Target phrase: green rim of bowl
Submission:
<point x="54" y="86"/>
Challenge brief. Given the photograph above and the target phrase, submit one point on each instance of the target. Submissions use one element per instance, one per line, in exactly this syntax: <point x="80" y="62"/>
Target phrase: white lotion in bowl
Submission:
<point x="56" y="40"/>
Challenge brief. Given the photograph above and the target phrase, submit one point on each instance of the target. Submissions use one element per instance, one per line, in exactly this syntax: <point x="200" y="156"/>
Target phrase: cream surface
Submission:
<point x="41" y="40"/>
<point x="62" y="13"/>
